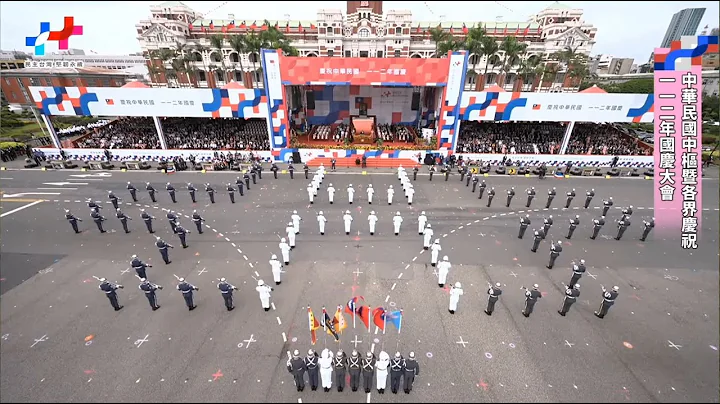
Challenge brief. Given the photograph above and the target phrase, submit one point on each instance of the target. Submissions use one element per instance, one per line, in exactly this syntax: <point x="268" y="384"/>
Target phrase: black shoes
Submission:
<point x="277" y="283"/>
<point x="407" y="391"/>
<point x="561" y="313"/>
<point x="489" y="313"/>
<point x="268" y="309"/>
<point x="192" y="308"/>
<point x="119" y="308"/>
<point x="452" y="311"/>
<point x="155" y="308"/>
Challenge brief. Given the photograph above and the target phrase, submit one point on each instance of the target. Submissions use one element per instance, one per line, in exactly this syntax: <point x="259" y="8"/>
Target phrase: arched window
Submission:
<point x="234" y="58"/>
<point x="364" y="33"/>
<point x="398" y="30"/>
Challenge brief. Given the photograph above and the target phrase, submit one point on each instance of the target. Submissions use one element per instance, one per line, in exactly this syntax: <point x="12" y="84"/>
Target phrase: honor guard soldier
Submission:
<point x="123" y="220"/>
<point x="291" y="170"/>
<point x="321" y="223"/>
<point x="211" y="192"/>
<point x="530" y="196"/>
<point x="311" y="363"/>
<point x="259" y="170"/>
<point x="397" y="368"/>
<point x="226" y="290"/>
<point x="333" y="161"/>
<point x="607" y="204"/>
<point x="351" y="193"/>
<point x="295" y="218"/>
<point x="113" y="199"/>
<point x="494" y="293"/>
<point x="182" y="233"/>
<point x="290" y="231"/>
<point x="92" y="205"/>
<point x="462" y="171"/>
<point x="588" y="197"/>
<point x="571" y="295"/>
<point x="231" y="192"/>
<point x="326" y="368"/>
<point x="597" y="225"/>
<point x="171" y="191"/>
<point x="443" y="269"/>
<point x="555" y="250"/>
<point x="647" y="226"/>
<point x="354" y="368"/>
<point x="415" y="171"/>
<point x="307" y="170"/>
<point x="139" y="266"/>
<point x="133" y="191"/>
<point x="422" y="221"/>
<point x="537" y="238"/>
<point x="609" y="297"/>
<point x="510" y="195"/>
<point x="264" y="292"/>
<point x="627" y="212"/>
<point x="435" y="252"/>
<point x="348" y="220"/>
<point x="409" y="194"/>
<point x="370" y="192"/>
<point x="297" y="367"/>
<point x="110" y="291"/>
<point x="574" y="222"/>
<point x="274" y="168"/>
<point x="447" y="173"/>
<point x="570" y="196"/>
<point x="74" y="220"/>
<point x="531" y="297"/>
<point x="475" y="180"/>
<point x="276" y="268"/>
<point x="246" y="178"/>
<point x="172" y="219"/>
<point x="622" y="226"/>
<point x="98" y="219"/>
<point x="551" y="195"/>
<point x="191" y="189"/>
<point x="239" y="184"/>
<point x="253" y="175"/>
<point x="163" y="248"/>
<point x="390" y="194"/>
<point x="432" y="171"/>
<point x="483" y="185"/>
<point x="187" y="293"/>
<point x="412" y="369"/>
<point x="397" y="221"/>
<point x="547" y="223"/>
<point x="372" y="221"/>
<point x="455" y="293"/>
<point x="149" y="288"/>
<point x="151" y="191"/>
<point x="578" y="270"/>
<point x="148" y="220"/>
<point x="331" y="193"/>
<point x="368" y="370"/>
<point x="491" y="195"/>
<point x="285" y="250"/>
<point x="524" y="223"/>
<point x="311" y="193"/>
<point x="340" y="363"/>
<point x="198" y="220"/>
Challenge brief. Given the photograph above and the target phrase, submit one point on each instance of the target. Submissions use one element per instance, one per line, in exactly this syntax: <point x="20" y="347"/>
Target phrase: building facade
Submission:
<point x="620" y="66"/>
<point x="364" y="29"/>
<point x="684" y="22"/>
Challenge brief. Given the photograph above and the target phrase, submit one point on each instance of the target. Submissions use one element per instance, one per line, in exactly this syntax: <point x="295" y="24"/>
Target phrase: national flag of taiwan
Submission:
<point x="339" y="320"/>
<point x="313" y="324"/>
<point x="395" y="318"/>
<point x="329" y="325"/>
<point x="465" y="29"/>
<point x="379" y="318"/>
<point x="212" y="26"/>
<point x="352" y="305"/>
<point x="231" y="25"/>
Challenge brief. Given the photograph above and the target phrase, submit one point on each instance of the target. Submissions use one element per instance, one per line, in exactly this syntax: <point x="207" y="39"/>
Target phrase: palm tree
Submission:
<point x="566" y="58"/>
<point x="254" y="44"/>
<point x="578" y="72"/>
<point x="166" y="55"/>
<point x="238" y="44"/>
<point x="178" y="67"/>
<point x="512" y="48"/>
<point x="202" y="50"/>
<point x="550" y="70"/>
<point x="217" y="42"/>
<point x="473" y="43"/>
<point x="438" y="36"/>
<point x="490" y="49"/>
<point x="450" y="45"/>
<point x="528" y="67"/>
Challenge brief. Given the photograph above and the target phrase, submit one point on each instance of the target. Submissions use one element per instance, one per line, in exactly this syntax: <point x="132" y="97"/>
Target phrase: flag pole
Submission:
<point x="354" y="308"/>
<point x="324" y="321"/>
<point x="401" y="317"/>
<point x="369" y="313"/>
<point x="384" y="321"/>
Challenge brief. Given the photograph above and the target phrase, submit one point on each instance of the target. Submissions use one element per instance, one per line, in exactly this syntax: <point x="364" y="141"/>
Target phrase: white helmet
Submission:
<point x="412" y="355"/>
<point x="350" y="186"/>
<point x="445" y="258"/>
<point x="535" y="286"/>
<point x="390" y="186"/>
<point x="497" y="284"/>
<point x="397" y="213"/>
<point x="143" y="280"/>
<point x="67" y="210"/>
<point x="429" y="225"/>
<point x="320" y="214"/>
<point x="260" y="282"/>
<point x="458" y="285"/>
<point x="222" y="279"/>
<point x="128" y="182"/>
<point x="310" y="352"/>
<point x="142" y="210"/>
<point x="582" y="261"/>
<point x="347" y="212"/>
<point x="274" y="257"/>
<point x="330" y="185"/>
<point x="181" y="279"/>
<point x="616" y="288"/>
<point x="102" y="279"/>
<point x="397" y="354"/>
<point x="282" y="240"/>
<point x="372" y="212"/>
<point x="296" y="353"/>
<point x="290" y="224"/>
<point x="437" y="241"/>
<point x="294" y="212"/>
<point x="369" y="186"/>
<point x="134" y="256"/>
<point x="422" y="213"/>
<point x="559" y="241"/>
<point x="168" y="183"/>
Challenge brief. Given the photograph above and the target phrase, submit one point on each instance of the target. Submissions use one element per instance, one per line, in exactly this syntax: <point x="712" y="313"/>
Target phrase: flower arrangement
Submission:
<point x="360" y="147"/>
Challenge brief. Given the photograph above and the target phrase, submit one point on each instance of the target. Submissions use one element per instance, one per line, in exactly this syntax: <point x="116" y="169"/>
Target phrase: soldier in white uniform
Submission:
<point x="321" y="222"/>
<point x="370" y="193"/>
<point x="390" y="193"/>
<point x="455" y="293"/>
<point x="443" y="269"/>
<point x="410" y="193"/>
<point x="264" y="291"/>
<point x="290" y="230"/>
<point x="435" y="252"/>
<point x="311" y="192"/>
<point x="285" y="250"/>
<point x="296" y="221"/>
<point x="348" y="220"/>
<point x="382" y="371"/>
<point x="351" y="193"/>
<point x="331" y="193"/>
<point x="397" y="221"/>
<point x="427" y="236"/>
<point x="326" y="369"/>
<point x="372" y="220"/>
<point x="276" y="268"/>
<point x="422" y="220"/>
<point x="401" y="171"/>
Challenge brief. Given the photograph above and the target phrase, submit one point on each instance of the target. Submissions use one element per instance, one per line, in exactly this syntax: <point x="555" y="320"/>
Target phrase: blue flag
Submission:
<point x="395" y="318"/>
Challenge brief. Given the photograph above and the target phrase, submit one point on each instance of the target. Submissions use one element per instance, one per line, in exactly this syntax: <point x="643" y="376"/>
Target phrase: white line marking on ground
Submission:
<point x="273" y="305"/>
<point x="20" y="208"/>
<point x="401" y="274"/>
<point x="278" y="320"/>
<point x="284" y="337"/>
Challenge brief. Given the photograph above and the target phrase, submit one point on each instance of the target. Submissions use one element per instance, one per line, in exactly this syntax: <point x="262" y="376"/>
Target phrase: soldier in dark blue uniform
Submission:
<point x="531" y="297"/>
<point x="578" y="270"/>
<point x="311" y="363"/>
<point x="182" y="233"/>
<point x="483" y="185"/>
<point x="570" y="196"/>
<point x="113" y="199"/>
<point x="147" y="218"/>
<point x="253" y="174"/>
<point x="211" y="192"/>
<point x="133" y="191"/>
<point x="463" y="171"/>
<point x="93" y="205"/>
<point x="123" y="219"/>
<point x="588" y="197"/>
<point x="259" y="169"/>
<point x="98" y="219"/>
<point x="537" y="238"/>
<point x="547" y="223"/>
<point x="139" y="266"/>
<point x="198" y="220"/>
<point x="574" y="222"/>
<point x="291" y="170"/>
<point x="607" y="204"/>
<point x="151" y="191"/>
<point x="307" y="170"/>
<point x="627" y="212"/>
<point x="530" y="196"/>
<point x="191" y="189"/>
<point x="415" y="170"/>
<point x="571" y="295"/>
<point x="109" y="288"/>
<point x="397" y="368"/>
<point x="446" y="170"/>
<point x="432" y="171"/>
<point x="608" y="300"/>
<point x="597" y="225"/>
<point x="333" y="161"/>
<point x="494" y="293"/>
<point x="475" y="180"/>
<point x="555" y="250"/>
<point x="524" y="223"/>
<point x="551" y="195"/>
<point x="226" y="290"/>
<point x="368" y="370"/>
<point x="231" y="192"/>
<point x="240" y="185"/>
<point x="73" y="221"/>
<point x="354" y="368"/>
<point x="149" y="288"/>
<point x="647" y="226"/>
<point x="163" y="248"/>
<point x="340" y="363"/>
<point x="171" y="191"/>
<point x="246" y="177"/>
<point x="510" y="195"/>
<point x="172" y="218"/>
<point x="187" y="292"/>
<point x="622" y="226"/>
<point x="491" y="195"/>
<point x="412" y="369"/>
<point x="297" y="367"/>
<point x="274" y="168"/>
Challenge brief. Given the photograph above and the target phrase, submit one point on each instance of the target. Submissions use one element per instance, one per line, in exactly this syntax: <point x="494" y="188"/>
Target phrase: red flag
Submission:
<point x="364" y="314"/>
<point x="312" y="26"/>
<point x="465" y="29"/>
<point x="505" y="30"/>
<point x="253" y="26"/>
<point x="299" y="26"/>
<point x="352" y="305"/>
<point x="231" y="25"/>
<point x="202" y="27"/>
<point x="212" y="26"/>
<point x="313" y="324"/>
<point x="379" y="318"/>
<point x="287" y="27"/>
<point x="264" y="27"/>
<point x="190" y="27"/>
<point x="224" y="29"/>
<point x="418" y="29"/>
<point x="527" y="30"/>
<point x="243" y="26"/>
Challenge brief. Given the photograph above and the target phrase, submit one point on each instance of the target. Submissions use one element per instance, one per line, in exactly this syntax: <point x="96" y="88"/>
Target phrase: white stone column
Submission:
<point x="51" y="130"/>
<point x="566" y="138"/>
<point x="161" y="135"/>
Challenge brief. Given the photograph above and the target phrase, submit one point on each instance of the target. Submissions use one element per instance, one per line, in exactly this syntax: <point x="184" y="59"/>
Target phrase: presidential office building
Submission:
<point x="364" y="29"/>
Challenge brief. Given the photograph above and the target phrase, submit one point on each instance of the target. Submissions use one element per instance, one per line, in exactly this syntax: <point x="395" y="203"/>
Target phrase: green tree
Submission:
<point x="438" y="36"/>
<point x="634" y="86"/>
<point x="711" y="108"/>
<point x="217" y="42"/>
<point x="511" y="49"/>
<point x="490" y="49"/>
<point x="473" y="44"/>
<point x="238" y="44"/>
<point x="254" y="44"/>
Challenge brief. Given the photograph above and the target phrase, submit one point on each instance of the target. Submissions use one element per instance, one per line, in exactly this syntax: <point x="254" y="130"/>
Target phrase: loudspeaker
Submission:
<point x="310" y="98"/>
<point x="296" y="158"/>
<point x="415" y="105"/>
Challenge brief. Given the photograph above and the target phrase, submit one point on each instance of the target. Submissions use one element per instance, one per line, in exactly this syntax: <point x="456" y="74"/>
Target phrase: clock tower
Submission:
<point x="374" y="6"/>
